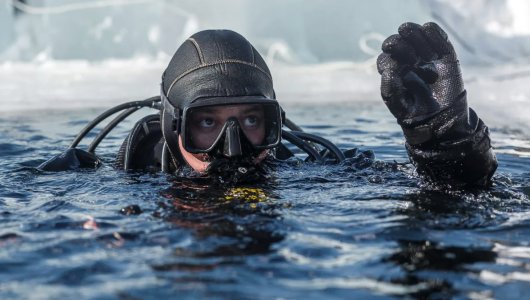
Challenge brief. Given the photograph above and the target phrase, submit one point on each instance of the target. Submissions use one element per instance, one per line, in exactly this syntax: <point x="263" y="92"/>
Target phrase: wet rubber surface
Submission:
<point x="355" y="230"/>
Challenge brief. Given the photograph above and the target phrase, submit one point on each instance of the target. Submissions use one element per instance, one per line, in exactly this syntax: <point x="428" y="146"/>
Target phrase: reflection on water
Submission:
<point x="362" y="229"/>
<point x="415" y="257"/>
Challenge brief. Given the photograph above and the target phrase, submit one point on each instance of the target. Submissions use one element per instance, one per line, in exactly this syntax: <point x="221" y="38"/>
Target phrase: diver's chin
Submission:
<point x="236" y="170"/>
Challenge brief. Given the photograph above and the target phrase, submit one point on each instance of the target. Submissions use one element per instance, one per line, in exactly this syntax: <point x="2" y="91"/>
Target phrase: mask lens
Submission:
<point x="205" y="126"/>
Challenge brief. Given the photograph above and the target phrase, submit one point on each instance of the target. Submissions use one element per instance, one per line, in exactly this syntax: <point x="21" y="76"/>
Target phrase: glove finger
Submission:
<point x="417" y="86"/>
<point x="393" y="94"/>
<point x="385" y="62"/>
<point x="391" y="84"/>
<point x="414" y="35"/>
<point x="427" y="72"/>
<point x="439" y="40"/>
<point x="399" y="50"/>
<point x="421" y="102"/>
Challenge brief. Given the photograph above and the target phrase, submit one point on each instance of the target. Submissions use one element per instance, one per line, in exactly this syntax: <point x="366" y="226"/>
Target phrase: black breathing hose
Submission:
<point x="103" y="133"/>
<point x="321" y="141"/>
<point x="291" y="125"/>
<point x="298" y="142"/>
<point x="151" y="102"/>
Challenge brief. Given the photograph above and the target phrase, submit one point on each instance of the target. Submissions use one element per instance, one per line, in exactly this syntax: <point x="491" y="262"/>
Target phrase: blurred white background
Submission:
<point x="75" y="53"/>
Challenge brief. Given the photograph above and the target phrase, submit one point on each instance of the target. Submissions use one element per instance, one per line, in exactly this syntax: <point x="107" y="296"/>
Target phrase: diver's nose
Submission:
<point x="232" y="143"/>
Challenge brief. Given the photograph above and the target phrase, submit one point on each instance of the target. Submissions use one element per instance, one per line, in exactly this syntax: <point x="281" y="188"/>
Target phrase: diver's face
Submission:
<point x="207" y="123"/>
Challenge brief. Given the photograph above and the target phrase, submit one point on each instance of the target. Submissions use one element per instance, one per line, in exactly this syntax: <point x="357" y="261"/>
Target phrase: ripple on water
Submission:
<point x="10" y="149"/>
<point x="362" y="229"/>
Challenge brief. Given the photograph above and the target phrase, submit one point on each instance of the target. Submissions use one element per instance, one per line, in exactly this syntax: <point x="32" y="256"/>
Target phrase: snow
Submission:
<point x="80" y="54"/>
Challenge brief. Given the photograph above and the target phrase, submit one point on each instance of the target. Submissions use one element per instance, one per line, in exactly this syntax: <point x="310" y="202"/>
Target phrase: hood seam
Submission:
<point x="226" y="61"/>
<point x="199" y="51"/>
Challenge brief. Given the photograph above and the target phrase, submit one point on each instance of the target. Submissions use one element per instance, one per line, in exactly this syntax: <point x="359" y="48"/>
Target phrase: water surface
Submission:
<point x="354" y="230"/>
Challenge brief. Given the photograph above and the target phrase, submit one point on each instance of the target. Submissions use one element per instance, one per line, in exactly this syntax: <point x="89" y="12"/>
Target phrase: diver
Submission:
<point x="219" y="117"/>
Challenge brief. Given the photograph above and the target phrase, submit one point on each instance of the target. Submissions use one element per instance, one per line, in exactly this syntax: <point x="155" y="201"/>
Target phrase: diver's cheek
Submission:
<point x="255" y="136"/>
<point x="202" y="140"/>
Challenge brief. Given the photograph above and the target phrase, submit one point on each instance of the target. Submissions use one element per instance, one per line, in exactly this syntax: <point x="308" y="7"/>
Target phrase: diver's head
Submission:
<point x="218" y="102"/>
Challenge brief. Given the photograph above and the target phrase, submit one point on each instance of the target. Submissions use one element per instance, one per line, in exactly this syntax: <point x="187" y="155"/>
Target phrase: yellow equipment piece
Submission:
<point x="253" y="195"/>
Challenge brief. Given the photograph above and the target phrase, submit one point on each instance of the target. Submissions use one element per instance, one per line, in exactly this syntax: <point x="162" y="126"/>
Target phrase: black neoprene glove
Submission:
<point x="422" y="86"/>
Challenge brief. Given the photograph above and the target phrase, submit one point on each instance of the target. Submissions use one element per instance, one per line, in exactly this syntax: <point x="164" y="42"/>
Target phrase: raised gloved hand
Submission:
<point x="422" y="86"/>
<point x="421" y="79"/>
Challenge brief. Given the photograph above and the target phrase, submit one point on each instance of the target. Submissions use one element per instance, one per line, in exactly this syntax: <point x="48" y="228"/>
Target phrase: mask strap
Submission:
<point x="170" y="124"/>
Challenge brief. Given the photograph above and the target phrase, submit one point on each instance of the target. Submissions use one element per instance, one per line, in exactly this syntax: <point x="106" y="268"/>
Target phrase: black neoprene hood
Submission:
<point x="213" y="64"/>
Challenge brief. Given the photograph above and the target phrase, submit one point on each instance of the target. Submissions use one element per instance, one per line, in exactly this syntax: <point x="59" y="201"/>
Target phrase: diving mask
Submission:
<point x="232" y="127"/>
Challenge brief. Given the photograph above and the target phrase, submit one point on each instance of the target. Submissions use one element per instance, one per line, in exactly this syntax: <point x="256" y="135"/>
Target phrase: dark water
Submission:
<point x="313" y="232"/>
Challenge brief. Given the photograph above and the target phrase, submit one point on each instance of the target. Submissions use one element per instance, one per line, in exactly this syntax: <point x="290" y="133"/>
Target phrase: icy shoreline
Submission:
<point x="500" y="94"/>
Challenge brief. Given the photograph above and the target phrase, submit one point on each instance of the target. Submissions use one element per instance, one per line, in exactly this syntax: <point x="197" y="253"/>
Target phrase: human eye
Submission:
<point x="251" y="121"/>
<point x="207" y="123"/>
